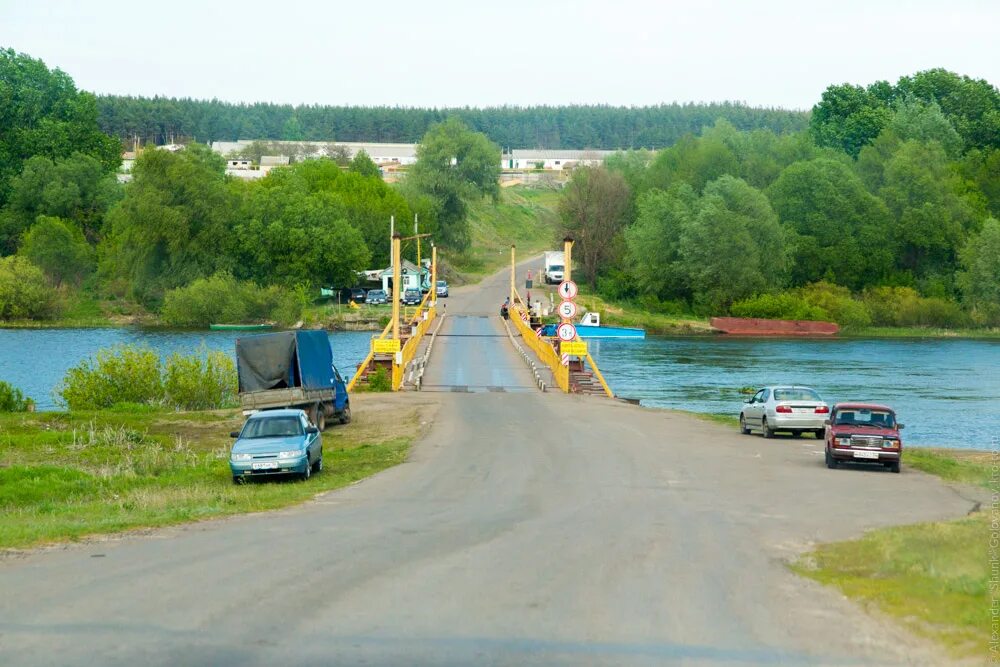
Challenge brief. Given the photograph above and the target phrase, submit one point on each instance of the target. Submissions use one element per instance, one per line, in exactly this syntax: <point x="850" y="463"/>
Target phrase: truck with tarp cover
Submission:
<point x="291" y="369"/>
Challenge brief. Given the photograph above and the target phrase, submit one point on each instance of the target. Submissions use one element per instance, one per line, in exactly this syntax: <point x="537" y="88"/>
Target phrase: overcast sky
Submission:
<point x="522" y="52"/>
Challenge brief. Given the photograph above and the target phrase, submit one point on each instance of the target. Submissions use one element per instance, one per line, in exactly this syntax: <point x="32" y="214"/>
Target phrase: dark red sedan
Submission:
<point x="863" y="433"/>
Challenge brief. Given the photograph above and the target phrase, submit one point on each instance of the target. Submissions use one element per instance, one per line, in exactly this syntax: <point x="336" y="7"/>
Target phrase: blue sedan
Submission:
<point x="276" y="442"/>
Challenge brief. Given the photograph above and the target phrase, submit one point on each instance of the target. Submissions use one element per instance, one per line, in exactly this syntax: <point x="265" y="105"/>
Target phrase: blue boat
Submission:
<point x="590" y="327"/>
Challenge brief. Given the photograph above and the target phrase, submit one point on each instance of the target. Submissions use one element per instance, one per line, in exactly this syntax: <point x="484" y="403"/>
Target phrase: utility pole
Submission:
<point x="434" y="273"/>
<point x="392" y="233"/>
<point x="416" y="233"/>
<point x="396" y="292"/>
<point x="513" y="270"/>
<point x="568" y="258"/>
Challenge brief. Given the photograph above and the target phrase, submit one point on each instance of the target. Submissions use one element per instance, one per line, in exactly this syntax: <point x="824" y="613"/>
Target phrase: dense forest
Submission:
<point x="163" y="120"/>
<point x="883" y="212"/>
<point x="184" y="240"/>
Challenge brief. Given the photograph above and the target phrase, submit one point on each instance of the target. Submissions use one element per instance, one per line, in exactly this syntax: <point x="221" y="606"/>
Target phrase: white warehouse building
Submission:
<point x="527" y="158"/>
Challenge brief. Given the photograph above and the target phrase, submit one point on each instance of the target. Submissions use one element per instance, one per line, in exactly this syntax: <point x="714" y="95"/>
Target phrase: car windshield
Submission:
<point x="796" y="394"/>
<point x="556" y="267"/>
<point x="865" y="417"/>
<point x="376" y="292"/>
<point x="272" y="427"/>
<point x="441" y="283"/>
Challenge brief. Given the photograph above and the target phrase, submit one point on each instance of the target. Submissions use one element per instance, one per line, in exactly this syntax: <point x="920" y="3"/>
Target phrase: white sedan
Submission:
<point x="790" y="409"/>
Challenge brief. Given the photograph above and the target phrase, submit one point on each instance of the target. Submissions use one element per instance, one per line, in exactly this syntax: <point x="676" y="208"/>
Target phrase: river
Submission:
<point x="35" y="360"/>
<point x="947" y="392"/>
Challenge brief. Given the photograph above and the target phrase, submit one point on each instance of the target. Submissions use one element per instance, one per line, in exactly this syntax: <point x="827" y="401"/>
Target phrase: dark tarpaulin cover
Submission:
<point x="286" y="359"/>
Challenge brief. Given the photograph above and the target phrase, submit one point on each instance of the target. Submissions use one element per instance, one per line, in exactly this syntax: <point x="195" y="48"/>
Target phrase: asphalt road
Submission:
<point x="526" y="529"/>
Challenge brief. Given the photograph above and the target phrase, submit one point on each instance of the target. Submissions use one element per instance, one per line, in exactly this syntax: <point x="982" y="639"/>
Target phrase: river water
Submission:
<point x="35" y="360"/>
<point x="947" y="392"/>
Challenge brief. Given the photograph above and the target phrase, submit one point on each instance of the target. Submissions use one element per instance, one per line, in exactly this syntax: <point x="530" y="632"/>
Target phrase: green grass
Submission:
<point x="523" y="216"/>
<point x="64" y="476"/>
<point x="933" y="577"/>
<point x="919" y="332"/>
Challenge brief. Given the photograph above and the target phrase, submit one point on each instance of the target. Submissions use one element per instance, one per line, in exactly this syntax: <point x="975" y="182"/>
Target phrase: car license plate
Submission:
<point x="265" y="465"/>
<point x="864" y="454"/>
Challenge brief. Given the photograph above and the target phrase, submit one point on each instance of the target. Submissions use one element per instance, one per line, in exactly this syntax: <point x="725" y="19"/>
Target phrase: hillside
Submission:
<point x="523" y="216"/>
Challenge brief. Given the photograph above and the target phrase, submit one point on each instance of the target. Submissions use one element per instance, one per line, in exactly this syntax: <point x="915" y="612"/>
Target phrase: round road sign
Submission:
<point x="566" y="331"/>
<point x="567" y="310"/>
<point x="567" y="289"/>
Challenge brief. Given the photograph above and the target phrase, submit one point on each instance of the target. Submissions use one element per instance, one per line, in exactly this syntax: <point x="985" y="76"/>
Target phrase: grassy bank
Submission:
<point x="932" y="577"/>
<point x="524" y="216"/>
<point x="65" y="476"/>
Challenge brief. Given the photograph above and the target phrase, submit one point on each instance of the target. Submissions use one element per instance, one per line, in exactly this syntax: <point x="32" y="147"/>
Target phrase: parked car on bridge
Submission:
<point x="276" y="442"/>
<point x="791" y="409"/>
<point x="863" y="433"/>
<point x="442" y="288"/>
<point x="376" y="297"/>
<point x="412" y="297"/>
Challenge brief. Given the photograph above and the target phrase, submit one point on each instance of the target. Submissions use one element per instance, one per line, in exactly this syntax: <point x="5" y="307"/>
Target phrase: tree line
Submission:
<point x="883" y="211"/>
<point x="162" y="120"/>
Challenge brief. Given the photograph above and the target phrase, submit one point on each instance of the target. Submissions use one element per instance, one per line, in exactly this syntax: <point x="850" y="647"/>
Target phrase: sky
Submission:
<point x="780" y="53"/>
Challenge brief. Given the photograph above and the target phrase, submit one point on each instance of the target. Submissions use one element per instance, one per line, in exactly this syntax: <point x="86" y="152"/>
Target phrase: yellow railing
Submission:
<point x="540" y="346"/>
<point x="420" y="324"/>
<point x="368" y="359"/>
<point x="545" y="350"/>
<point x="414" y="316"/>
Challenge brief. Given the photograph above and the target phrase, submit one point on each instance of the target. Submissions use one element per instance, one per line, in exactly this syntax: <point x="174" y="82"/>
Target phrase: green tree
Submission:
<point x="654" y="240"/>
<point x="979" y="279"/>
<point x="44" y="114"/>
<point x="841" y="232"/>
<point x="362" y="164"/>
<point x="172" y="226"/>
<point x="291" y="237"/>
<point x="849" y="117"/>
<point x="934" y="211"/>
<point x="595" y="207"/>
<point x="76" y="188"/>
<point x="924" y="121"/>
<point x="58" y="248"/>
<point x="971" y="105"/>
<point x="734" y="247"/>
<point x="454" y="164"/>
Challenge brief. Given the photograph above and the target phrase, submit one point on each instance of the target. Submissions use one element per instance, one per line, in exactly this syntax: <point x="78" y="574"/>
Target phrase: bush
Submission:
<point x="12" y="400"/>
<point x="783" y="306"/>
<point x="379" y="380"/>
<point x="222" y="298"/>
<point x="132" y="377"/>
<point x="652" y="303"/>
<point x="903" y="306"/>
<point x="838" y="302"/>
<point x="123" y="374"/>
<point x="25" y="293"/>
<point x="202" y="381"/>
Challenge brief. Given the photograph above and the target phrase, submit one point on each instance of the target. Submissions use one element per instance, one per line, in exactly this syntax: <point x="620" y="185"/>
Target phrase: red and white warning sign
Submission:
<point x="565" y="360"/>
<point x="567" y="310"/>
<point x="566" y="331"/>
<point x="567" y="289"/>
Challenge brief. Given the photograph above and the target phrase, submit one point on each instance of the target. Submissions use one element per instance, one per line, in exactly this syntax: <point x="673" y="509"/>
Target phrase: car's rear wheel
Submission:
<point x="318" y="466"/>
<point x="830" y="461"/>
<point x="744" y="429"/>
<point x="320" y="418"/>
<point x="820" y="434"/>
<point x="345" y="415"/>
<point x="765" y="428"/>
